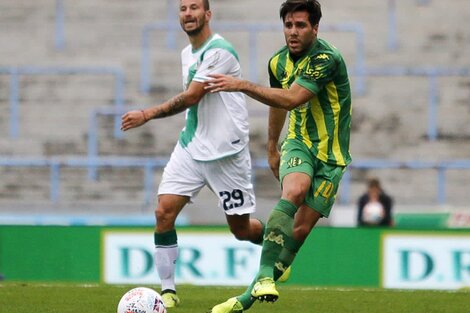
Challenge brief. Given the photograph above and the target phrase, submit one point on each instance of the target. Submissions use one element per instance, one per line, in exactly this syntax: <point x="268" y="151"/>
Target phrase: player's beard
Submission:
<point x="199" y="26"/>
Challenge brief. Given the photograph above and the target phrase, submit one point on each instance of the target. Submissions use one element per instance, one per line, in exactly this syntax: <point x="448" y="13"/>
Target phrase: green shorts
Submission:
<point x="295" y="158"/>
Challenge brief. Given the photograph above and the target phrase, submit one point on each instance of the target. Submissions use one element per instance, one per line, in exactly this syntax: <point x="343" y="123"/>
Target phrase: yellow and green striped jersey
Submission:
<point x="323" y="124"/>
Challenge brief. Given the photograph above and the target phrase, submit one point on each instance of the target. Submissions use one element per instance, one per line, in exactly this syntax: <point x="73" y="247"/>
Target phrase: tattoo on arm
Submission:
<point x="173" y="106"/>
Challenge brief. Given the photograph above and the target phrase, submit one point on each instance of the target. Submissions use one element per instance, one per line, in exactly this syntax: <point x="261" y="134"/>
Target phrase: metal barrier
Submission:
<point x="59" y="24"/>
<point x="149" y="165"/>
<point x="55" y="164"/>
<point x="432" y="73"/>
<point x="59" y="38"/>
<point x="392" y="41"/>
<point x="60" y="41"/>
<point x="93" y="130"/>
<point x="16" y="72"/>
<point x="440" y="167"/>
<point x="253" y="29"/>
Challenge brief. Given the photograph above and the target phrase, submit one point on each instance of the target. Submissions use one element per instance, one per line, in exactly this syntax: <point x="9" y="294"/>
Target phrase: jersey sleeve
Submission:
<point x="216" y="61"/>
<point x="273" y="81"/>
<point x="319" y="71"/>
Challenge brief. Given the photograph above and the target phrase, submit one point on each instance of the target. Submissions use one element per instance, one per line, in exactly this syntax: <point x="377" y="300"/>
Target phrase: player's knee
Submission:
<point x="295" y="194"/>
<point x="165" y="218"/>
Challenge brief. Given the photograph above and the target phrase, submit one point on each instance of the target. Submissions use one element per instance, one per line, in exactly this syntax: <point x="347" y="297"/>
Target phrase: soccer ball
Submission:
<point x="373" y="213"/>
<point x="141" y="300"/>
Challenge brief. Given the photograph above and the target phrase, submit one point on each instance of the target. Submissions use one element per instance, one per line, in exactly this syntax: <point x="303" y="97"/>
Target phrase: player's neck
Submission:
<point x="199" y="39"/>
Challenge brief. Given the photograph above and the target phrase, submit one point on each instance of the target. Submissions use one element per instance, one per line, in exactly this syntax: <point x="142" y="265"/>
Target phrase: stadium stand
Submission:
<point x="61" y="150"/>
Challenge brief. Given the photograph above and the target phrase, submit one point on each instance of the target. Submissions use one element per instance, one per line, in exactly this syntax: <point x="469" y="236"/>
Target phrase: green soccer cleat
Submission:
<point x="285" y="276"/>
<point x="170" y="299"/>
<point x="265" y="290"/>
<point x="232" y="305"/>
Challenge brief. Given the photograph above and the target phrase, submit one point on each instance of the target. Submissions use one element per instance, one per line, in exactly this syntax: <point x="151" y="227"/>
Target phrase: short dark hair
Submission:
<point x="313" y="8"/>
<point x="374" y="182"/>
<point x="206" y="5"/>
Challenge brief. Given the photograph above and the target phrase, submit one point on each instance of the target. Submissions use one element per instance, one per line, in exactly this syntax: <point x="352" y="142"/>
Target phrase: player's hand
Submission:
<point x="274" y="160"/>
<point x="220" y="82"/>
<point x="132" y="119"/>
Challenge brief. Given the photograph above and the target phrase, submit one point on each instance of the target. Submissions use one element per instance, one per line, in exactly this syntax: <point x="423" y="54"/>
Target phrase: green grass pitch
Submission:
<point x="18" y="297"/>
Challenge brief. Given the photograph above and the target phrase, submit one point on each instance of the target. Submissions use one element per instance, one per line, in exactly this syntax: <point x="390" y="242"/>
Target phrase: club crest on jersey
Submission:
<point x="294" y="161"/>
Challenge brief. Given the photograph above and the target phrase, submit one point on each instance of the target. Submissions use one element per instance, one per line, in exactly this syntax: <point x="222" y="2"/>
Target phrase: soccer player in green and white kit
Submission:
<point x="212" y="149"/>
<point x="309" y="79"/>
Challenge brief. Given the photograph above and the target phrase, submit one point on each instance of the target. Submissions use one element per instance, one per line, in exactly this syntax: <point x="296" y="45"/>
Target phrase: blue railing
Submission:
<point x="432" y="74"/>
<point x="150" y="165"/>
<point x="440" y="167"/>
<point x="93" y="133"/>
<point x="392" y="33"/>
<point x="60" y="40"/>
<point x="16" y="72"/>
<point x="253" y="29"/>
<point x="59" y="24"/>
<point x="59" y="33"/>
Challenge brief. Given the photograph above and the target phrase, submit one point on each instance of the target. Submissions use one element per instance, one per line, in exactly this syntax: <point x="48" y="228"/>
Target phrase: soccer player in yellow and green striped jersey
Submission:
<point x="309" y="81"/>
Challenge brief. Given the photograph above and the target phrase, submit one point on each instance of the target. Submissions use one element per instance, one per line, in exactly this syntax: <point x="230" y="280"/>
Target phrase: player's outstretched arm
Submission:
<point x="287" y="99"/>
<point x="177" y="104"/>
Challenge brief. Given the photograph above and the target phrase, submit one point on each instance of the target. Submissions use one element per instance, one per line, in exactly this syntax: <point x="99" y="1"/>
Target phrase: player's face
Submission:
<point x="193" y="16"/>
<point x="374" y="193"/>
<point x="298" y="32"/>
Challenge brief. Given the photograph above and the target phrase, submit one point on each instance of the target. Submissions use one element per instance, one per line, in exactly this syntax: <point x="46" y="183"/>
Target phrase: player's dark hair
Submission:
<point x="312" y="7"/>
<point x="206" y="5"/>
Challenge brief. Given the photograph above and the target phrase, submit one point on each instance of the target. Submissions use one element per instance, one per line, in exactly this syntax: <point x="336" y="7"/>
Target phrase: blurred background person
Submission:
<point x="374" y="206"/>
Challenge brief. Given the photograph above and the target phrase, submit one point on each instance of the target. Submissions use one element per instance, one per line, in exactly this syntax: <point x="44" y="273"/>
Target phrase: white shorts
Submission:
<point x="229" y="178"/>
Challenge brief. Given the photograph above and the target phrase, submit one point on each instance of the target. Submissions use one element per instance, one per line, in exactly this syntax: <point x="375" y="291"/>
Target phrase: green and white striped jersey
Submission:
<point x="218" y="125"/>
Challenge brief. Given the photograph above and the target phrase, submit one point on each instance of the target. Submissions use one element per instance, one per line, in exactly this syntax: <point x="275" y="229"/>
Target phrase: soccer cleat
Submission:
<point x="285" y="276"/>
<point x="232" y="305"/>
<point x="265" y="290"/>
<point x="170" y="299"/>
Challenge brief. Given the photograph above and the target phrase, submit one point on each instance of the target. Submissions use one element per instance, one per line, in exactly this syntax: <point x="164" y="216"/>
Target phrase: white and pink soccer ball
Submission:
<point x="373" y="212"/>
<point x="141" y="300"/>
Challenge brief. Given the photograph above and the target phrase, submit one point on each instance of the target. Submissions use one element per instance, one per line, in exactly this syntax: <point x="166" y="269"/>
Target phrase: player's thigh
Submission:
<point x="295" y="171"/>
<point x="325" y="183"/>
<point x="295" y="158"/>
<point x="230" y="179"/>
<point x="182" y="175"/>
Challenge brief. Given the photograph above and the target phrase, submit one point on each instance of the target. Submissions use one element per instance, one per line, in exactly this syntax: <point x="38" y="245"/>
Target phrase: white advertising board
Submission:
<point x="425" y="261"/>
<point x="204" y="259"/>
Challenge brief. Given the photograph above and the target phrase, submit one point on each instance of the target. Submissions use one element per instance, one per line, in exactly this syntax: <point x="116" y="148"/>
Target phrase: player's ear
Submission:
<point x="208" y="15"/>
<point x="315" y="29"/>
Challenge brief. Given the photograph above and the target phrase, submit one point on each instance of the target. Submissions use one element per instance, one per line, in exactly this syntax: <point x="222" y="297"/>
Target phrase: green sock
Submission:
<point x="168" y="238"/>
<point x="279" y="230"/>
<point x="286" y="258"/>
<point x="278" y="235"/>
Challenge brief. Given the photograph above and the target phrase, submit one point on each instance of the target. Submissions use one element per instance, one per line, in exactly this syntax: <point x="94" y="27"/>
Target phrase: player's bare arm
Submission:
<point x="287" y="99"/>
<point x="175" y="105"/>
<point x="277" y="118"/>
